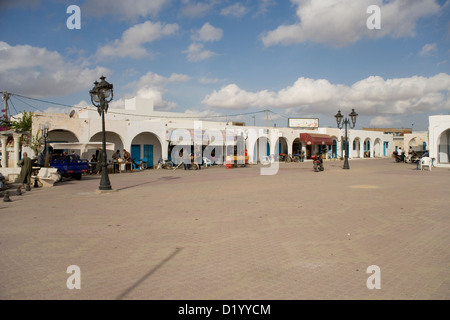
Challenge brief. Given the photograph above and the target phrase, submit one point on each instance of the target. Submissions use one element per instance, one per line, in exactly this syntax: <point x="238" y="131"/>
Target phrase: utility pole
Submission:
<point x="5" y="99"/>
<point x="267" y="117"/>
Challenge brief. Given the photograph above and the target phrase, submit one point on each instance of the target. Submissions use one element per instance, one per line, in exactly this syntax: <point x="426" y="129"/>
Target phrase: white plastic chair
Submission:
<point x="207" y="162"/>
<point x="425" y="162"/>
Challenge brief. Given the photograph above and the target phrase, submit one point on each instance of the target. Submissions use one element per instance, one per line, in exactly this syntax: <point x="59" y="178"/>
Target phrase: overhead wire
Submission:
<point x="142" y="115"/>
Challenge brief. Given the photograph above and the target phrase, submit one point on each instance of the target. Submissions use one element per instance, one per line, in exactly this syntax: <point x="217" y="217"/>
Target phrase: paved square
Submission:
<point x="224" y="233"/>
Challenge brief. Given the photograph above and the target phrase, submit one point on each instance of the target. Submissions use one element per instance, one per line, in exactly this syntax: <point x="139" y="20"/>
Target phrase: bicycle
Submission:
<point x="165" y="164"/>
<point x="142" y="165"/>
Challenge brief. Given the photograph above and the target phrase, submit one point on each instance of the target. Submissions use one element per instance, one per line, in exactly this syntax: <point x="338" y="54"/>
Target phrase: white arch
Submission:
<point x="443" y="147"/>
<point x="369" y="147"/>
<point x="148" y="137"/>
<point x="356" y="152"/>
<point x="377" y="148"/>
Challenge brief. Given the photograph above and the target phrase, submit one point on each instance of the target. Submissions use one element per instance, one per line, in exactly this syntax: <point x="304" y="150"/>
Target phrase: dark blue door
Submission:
<point x="148" y="153"/>
<point x="136" y="152"/>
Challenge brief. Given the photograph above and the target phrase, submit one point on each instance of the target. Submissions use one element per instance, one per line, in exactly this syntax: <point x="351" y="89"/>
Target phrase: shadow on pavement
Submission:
<point x="127" y="291"/>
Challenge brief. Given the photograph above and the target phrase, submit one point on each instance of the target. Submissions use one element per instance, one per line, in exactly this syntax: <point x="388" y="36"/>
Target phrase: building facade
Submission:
<point x="154" y="135"/>
<point x="439" y="139"/>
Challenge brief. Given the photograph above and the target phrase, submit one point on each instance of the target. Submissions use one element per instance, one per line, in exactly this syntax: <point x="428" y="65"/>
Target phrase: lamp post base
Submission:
<point x="104" y="181"/>
<point x="346" y="166"/>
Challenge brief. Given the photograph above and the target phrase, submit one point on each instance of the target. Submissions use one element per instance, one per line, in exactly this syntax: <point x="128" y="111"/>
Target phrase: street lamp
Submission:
<point x="344" y="122"/>
<point x="44" y="131"/>
<point x="101" y="95"/>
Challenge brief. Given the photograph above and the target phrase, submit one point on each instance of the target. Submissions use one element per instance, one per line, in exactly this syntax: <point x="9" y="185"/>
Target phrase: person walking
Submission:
<point x="25" y="172"/>
<point x="198" y="160"/>
<point x="41" y="158"/>
<point x="186" y="159"/>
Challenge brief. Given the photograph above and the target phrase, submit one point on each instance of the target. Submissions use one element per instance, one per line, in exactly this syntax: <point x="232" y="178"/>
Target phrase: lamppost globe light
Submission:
<point x="353" y="116"/>
<point x="44" y="131"/>
<point x="338" y="117"/>
<point x="94" y="95"/>
<point x="105" y="88"/>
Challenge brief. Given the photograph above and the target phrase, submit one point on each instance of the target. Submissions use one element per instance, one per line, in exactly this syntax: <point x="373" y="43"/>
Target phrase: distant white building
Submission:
<point x="439" y="139"/>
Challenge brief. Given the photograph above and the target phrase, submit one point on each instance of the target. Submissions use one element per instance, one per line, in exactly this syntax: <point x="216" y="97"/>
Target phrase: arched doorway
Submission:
<point x="377" y="148"/>
<point x="413" y="144"/>
<point x="296" y="147"/>
<point x="357" y="148"/>
<point x="146" y="145"/>
<point x="444" y="147"/>
<point x="332" y="151"/>
<point x="110" y="137"/>
<point x="61" y="136"/>
<point x="367" y="148"/>
<point x="281" y="146"/>
<point x="261" y="149"/>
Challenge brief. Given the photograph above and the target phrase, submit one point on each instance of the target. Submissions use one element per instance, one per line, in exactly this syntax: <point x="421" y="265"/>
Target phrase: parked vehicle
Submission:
<point x="165" y="164"/>
<point x="69" y="167"/>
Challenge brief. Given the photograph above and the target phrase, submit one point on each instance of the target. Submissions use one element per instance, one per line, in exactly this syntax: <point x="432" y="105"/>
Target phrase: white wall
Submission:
<point x="439" y="139"/>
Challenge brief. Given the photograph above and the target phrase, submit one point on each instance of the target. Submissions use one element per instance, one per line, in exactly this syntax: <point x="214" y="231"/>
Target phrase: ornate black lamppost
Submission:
<point x="340" y="124"/>
<point x="101" y="96"/>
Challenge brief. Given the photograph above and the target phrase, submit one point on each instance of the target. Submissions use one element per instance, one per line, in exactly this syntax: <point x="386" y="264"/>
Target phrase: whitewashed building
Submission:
<point x="150" y="134"/>
<point x="439" y="139"/>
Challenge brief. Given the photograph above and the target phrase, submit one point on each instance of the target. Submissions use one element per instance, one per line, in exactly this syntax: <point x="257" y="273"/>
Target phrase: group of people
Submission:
<point x="400" y="155"/>
<point x="97" y="160"/>
<point x="189" y="158"/>
<point x="117" y="158"/>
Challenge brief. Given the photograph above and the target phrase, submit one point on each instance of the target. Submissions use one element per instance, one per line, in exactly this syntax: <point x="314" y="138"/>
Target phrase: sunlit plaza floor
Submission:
<point x="220" y="233"/>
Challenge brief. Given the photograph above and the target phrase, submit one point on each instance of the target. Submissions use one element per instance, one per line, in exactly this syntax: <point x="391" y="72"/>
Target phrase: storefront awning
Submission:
<point x="316" y="138"/>
<point x="83" y="146"/>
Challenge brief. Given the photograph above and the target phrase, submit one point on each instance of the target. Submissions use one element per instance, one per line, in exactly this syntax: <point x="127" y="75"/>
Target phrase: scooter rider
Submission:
<point x="318" y="162"/>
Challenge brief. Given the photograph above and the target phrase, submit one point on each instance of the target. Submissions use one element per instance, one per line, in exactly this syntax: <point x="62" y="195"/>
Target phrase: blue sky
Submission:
<point x="298" y="58"/>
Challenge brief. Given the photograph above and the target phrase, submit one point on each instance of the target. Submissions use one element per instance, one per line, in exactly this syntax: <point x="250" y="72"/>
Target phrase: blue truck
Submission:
<point x="69" y="167"/>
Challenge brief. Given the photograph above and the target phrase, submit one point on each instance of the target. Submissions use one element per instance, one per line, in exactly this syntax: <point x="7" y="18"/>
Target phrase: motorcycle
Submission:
<point x="317" y="163"/>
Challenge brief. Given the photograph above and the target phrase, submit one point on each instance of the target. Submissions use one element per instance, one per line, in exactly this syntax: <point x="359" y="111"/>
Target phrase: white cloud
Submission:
<point x="156" y="96"/>
<point x="204" y="113"/>
<point x="152" y="86"/>
<point x="263" y="6"/>
<point x="428" y="49"/>
<point x="39" y="72"/>
<point x="342" y="22"/>
<point x="124" y="10"/>
<point x="208" y="33"/>
<point x="373" y="95"/>
<point x="206" y="80"/>
<point x="151" y="79"/>
<point x="133" y="39"/>
<point x="56" y="110"/>
<point x="382" y="121"/>
<point x="195" y="52"/>
<point x="196" y="9"/>
<point x="236" y="10"/>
